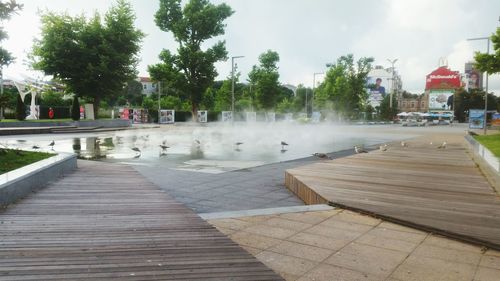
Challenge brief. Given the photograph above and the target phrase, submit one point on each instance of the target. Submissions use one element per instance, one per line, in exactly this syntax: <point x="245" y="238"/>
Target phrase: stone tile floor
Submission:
<point x="344" y="245"/>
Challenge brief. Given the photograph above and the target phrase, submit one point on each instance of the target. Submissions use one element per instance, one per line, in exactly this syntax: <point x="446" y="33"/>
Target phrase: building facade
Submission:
<point x="148" y="86"/>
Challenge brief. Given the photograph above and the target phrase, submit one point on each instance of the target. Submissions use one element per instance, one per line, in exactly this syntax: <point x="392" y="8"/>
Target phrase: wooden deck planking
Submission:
<point x="106" y="221"/>
<point x="440" y="190"/>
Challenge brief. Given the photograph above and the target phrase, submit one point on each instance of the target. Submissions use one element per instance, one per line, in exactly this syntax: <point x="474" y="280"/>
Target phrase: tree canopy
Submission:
<point x="94" y="57"/>
<point x="264" y="79"/>
<point x="7" y="8"/>
<point x="344" y="87"/>
<point x="192" y="69"/>
<point x="490" y="63"/>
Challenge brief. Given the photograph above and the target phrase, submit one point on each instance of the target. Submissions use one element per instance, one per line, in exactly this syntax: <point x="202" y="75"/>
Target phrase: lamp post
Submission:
<point x="486" y="84"/>
<point x="232" y="83"/>
<point x="314" y="85"/>
<point x="393" y="79"/>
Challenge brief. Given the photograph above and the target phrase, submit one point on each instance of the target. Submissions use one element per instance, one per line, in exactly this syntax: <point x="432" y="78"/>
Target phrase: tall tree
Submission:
<point x="264" y="79"/>
<point x="490" y="63"/>
<point x="7" y="8"/>
<point x="192" y="69"/>
<point x="94" y="57"/>
<point x="344" y="87"/>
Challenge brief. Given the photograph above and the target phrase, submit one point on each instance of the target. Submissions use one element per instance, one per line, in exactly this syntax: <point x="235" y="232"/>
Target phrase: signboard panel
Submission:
<point x="476" y="118"/>
<point x="167" y="116"/>
<point x="227" y="116"/>
<point x="440" y="100"/>
<point x="202" y="116"/>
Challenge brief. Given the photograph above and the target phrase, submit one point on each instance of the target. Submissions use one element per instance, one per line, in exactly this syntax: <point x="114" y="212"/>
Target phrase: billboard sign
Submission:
<point x="167" y="116"/>
<point x="227" y="116"/>
<point x="202" y="116"/>
<point x="440" y="100"/>
<point x="495" y="120"/>
<point x="476" y="118"/>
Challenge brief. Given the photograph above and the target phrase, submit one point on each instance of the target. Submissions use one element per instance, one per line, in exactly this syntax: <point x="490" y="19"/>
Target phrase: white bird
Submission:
<point x="52" y="144"/>
<point x="383" y="147"/>
<point x="359" y="150"/>
<point x="283" y="144"/>
<point x="164" y="147"/>
<point x="404" y="144"/>
<point x="443" y="145"/>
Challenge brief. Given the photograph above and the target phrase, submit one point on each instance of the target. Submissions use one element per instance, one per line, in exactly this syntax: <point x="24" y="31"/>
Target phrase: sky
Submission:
<point x="307" y="34"/>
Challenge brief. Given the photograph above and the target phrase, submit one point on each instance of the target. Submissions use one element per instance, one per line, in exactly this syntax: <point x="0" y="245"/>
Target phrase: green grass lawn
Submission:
<point x="492" y="142"/>
<point x="11" y="159"/>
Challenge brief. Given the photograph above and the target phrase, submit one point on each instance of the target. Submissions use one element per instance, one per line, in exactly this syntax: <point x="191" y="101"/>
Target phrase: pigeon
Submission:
<point x="283" y="144"/>
<point x="443" y="145"/>
<point x="322" y="155"/>
<point x="164" y="147"/>
<point x="35" y="147"/>
<point x="52" y="143"/>
<point x="404" y="144"/>
<point x="136" y="149"/>
<point x="238" y="143"/>
<point x="472" y="133"/>
<point x="383" y="147"/>
<point x="359" y="150"/>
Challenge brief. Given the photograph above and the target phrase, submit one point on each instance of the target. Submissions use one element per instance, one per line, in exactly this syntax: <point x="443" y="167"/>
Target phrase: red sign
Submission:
<point x="443" y="78"/>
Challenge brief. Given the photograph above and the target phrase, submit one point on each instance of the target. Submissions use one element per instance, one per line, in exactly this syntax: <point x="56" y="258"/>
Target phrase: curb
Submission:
<point x="488" y="163"/>
<point x="18" y="183"/>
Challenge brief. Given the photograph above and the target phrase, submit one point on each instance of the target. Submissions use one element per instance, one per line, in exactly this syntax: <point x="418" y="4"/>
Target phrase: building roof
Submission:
<point x="443" y="78"/>
<point x="144" y="79"/>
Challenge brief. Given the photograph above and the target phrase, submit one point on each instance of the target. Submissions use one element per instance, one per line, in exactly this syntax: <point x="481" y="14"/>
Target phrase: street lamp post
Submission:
<point x="393" y="79"/>
<point x="232" y="83"/>
<point x="486" y="84"/>
<point x="314" y="86"/>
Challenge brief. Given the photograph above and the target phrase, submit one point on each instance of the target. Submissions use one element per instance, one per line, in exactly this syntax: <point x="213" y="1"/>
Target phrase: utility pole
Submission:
<point x="232" y="83"/>
<point x="486" y="84"/>
<point x="393" y="80"/>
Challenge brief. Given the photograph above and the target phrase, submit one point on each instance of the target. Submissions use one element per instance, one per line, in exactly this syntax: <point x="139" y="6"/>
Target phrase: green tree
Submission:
<point x="75" y="109"/>
<point x="264" y="80"/>
<point x="53" y="98"/>
<point x="20" y="109"/>
<point x="192" y="69"/>
<point x="94" y="57"/>
<point x="386" y="112"/>
<point x="7" y="8"/>
<point x="344" y="87"/>
<point x="223" y="97"/>
<point x="490" y="63"/>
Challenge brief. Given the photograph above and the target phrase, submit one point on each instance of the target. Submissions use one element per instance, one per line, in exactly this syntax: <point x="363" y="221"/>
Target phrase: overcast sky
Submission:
<point x="307" y="34"/>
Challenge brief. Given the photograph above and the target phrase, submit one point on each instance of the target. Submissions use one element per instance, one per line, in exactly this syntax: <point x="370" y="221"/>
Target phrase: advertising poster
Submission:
<point x="202" y="116"/>
<point x="137" y="116"/>
<point x="476" y="118"/>
<point x="227" y="116"/>
<point x="167" y="116"/>
<point x="495" y="120"/>
<point x="440" y="100"/>
<point x="124" y="113"/>
<point x="270" y="116"/>
<point x="251" y="116"/>
<point x="315" y="117"/>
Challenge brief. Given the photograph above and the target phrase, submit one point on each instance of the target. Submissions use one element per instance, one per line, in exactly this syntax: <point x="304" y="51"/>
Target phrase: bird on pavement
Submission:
<point x="136" y="149"/>
<point x="322" y="155"/>
<point x="283" y="144"/>
<point x="164" y="147"/>
<point x="443" y="145"/>
<point x="35" y="147"/>
<point x="404" y="144"/>
<point x="383" y="147"/>
<point x="52" y="144"/>
<point x="359" y="150"/>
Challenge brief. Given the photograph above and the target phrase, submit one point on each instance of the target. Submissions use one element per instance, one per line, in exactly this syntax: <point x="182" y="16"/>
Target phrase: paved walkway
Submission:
<point x="106" y="222"/>
<point x="344" y="245"/>
<point x="252" y="188"/>
<point x="438" y="190"/>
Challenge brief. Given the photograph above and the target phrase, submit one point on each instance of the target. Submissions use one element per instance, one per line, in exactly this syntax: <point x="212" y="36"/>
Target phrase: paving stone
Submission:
<point x="332" y="243"/>
<point x="270" y="231"/>
<point x="306" y="217"/>
<point x="326" y="272"/>
<point x="253" y="251"/>
<point x="226" y="231"/>
<point x="367" y="259"/>
<point x="439" y="241"/>
<point x="491" y="252"/>
<point x="230" y="223"/>
<point x="447" y="254"/>
<point x="356" y="218"/>
<point x="256" y="219"/>
<point x="334" y="222"/>
<point x="285" y="264"/>
<point x="399" y="235"/>
<point x="288" y="224"/>
<point x="387" y="242"/>
<point x="490" y="261"/>
<point x="301" y="251"/>
<point x="253" y="240"/>
<point x="334" y="233"/>
<point x="487" y="274"/>
<point x="417" y="268"/>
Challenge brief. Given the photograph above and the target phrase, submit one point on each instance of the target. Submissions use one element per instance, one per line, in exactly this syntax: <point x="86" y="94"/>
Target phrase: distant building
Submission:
<point x="473" y="78"/>
<point x="148" y="86"/>
<point x="440" y="86"/>
<point x="414" y="104"/>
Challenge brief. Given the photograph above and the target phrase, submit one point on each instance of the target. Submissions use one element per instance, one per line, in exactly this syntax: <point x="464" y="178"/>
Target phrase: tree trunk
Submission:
<point x="97" y="101"/>
<point x="194" y="112"/>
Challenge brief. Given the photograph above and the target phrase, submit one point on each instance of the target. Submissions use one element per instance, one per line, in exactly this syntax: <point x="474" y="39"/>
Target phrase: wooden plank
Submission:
<point x="440" y="190"/>
<point x="106" y="221"/>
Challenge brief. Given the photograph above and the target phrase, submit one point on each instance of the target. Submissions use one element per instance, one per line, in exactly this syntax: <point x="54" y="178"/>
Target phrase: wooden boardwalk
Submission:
<point x="107" y="222"/>
<point x="438" y="190"/>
